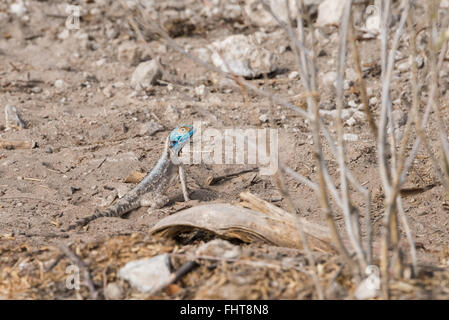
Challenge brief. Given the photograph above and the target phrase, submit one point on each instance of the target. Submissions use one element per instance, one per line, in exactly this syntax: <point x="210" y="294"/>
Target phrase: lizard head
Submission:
<point x="180" y="136"/>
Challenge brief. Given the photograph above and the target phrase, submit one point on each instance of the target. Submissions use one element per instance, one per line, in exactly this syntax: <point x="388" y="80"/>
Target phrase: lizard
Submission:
<point x="150" y="191"/>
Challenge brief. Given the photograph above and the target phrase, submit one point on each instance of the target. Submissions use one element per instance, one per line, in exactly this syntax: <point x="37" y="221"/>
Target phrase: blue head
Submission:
<point x="180" y="136"/>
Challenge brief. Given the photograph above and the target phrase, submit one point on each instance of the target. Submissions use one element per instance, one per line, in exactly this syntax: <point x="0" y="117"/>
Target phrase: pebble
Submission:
<point x="241" y="56"/>
<point x="150" y="128"/>
<point x="147" y="275"/>
<point x="200" y="90"/>
<point x="293" y="75"/>
<point x="60" y="84"/>
<point x="146" y="74"/>
<point x="263" y="118"/>
<point x="113" y="291"/>
<point x="330" y="12"/>
<point x="330" y="78"/>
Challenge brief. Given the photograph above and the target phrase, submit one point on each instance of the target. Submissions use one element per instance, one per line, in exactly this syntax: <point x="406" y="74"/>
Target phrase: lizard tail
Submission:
<point x="98" y="214"/>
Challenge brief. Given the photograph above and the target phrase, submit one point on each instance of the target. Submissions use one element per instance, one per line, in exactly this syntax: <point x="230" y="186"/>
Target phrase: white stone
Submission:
<point x="18" y="8"/>
<point x="150" y="128"/>
<point x="404" y="67"/>
<point x="100" y="62"/>
<point x="241" y="56"/>
<point x="330" y="12"/>
<point x="60" y="85"/>
<point x="263" y="118"/>
<point x="113" y="291"/>
<point x="330" y="78"/>
<point x="146" y="74"/>
<point x="351" y="122"/>
<point x="365" y="290"/>
<point x="200" y="90"/>
<point x="352" y="103"/>
<point x="147" y="275"/>
<point x="293" y="75"/>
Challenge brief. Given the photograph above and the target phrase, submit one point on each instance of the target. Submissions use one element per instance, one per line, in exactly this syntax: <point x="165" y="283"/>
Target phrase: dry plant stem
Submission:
<point x="352" y="229"/>
<point x="409" y="235"/>
<point x="319" y="157"/>
<point x="303" y="67"/>
<point x="283" y="189"/>
<point x="72" y="256"/>
<point x="420" y="127"/>
<point x="299" y="177"/>
<point x="432" y="55"/>
<point x="391" y="234"/>
<point x="360" y="81"/>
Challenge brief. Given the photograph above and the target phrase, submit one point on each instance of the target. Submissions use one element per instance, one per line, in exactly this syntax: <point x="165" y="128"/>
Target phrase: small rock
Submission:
<point x="59" y="83"/>
<point x="420" y="62"/>
<point x="330" y="12"/>
<point x="366" y="290"/>
<point x="263" y="118"/>
<point x="200" y="90"/>
<point x="100" y="62"/>
<point x="219" y="248"/>
<point x="404" y="67"/>
<point x="113" y="291"/>
<point x="352" y="104"/>
<point x="293" y="75"/>
<point x="146" y="74"/>
<point x="129" y="52"/>
<point x="147" y="275"/>
<point x="351" y="122"/>
<point x="330" y="78"/>
<point x="241" y="56"/>
<point x="18" y="8"/>
<point x="150" y="128"/>
<point x="373" y="101"/>
<point x="36" y="89"/>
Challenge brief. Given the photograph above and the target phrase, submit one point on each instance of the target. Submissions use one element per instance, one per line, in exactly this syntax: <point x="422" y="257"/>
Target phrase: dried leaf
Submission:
<point x="135" y="177"/>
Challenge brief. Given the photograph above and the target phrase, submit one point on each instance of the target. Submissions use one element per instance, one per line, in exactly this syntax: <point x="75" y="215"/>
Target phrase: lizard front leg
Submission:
<point x="182" y="177"/>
